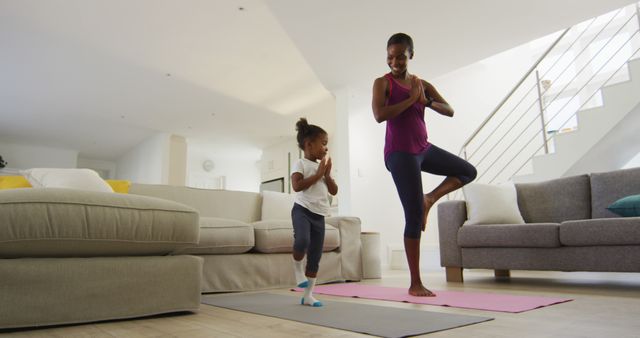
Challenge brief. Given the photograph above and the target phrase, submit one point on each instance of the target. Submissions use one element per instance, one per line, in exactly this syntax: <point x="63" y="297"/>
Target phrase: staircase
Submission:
<point x="580" y="99"/>
<point x="594" y="125"/>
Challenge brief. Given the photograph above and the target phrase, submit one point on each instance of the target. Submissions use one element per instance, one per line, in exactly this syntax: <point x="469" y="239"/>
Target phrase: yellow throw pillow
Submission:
<point x="119" y="186"/>
<point x="13" y="182"/>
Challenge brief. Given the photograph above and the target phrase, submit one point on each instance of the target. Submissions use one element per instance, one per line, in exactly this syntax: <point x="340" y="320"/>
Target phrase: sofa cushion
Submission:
<point x="241" y="205"/>
<point x="14" y="182"/>
<point x="119" y="186"/>
<point x="628" y="206"/>
<point x="608" y="187"/>
<point x="277" y="236"/>
<point x="491" y="204"/>
<point x="555" y="201"/>
<point x="57" y="222"/>
<point x="222" y="236"/>
<point x="276" y="205"/>
<point x="535" y="235"/>
<point x="71" y="178"/>
<point x="610" y="231"/>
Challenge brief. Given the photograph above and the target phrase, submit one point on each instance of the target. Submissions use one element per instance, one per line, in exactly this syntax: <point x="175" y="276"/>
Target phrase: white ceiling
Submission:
<point x="100" y="76"/>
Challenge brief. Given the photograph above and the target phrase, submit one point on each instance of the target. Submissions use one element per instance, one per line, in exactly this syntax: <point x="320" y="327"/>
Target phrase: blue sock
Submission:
<point x="308" y="299"/>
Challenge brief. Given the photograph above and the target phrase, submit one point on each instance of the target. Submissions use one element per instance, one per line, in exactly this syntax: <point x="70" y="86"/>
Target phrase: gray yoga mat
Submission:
<point x="370" y="319"/>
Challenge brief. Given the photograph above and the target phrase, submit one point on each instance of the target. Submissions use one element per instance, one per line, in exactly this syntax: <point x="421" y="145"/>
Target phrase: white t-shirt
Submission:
<point x="316" y="197"/>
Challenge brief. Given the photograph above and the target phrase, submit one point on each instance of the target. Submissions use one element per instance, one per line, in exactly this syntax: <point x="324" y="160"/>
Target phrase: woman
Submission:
<point x="400" y="99"/>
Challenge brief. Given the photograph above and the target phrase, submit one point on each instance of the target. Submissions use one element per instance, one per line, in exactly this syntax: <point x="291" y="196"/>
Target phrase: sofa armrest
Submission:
<point x="451" y="216"/>
<point x="350" y="245"/>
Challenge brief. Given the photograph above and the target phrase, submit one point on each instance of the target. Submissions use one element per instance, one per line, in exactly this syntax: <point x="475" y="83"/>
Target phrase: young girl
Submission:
<point x="312" y="181"/>
<point x="400" y="99"/>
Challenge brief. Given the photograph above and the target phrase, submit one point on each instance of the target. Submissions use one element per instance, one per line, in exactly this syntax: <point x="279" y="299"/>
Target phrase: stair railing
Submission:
<point x="582" y="60"/>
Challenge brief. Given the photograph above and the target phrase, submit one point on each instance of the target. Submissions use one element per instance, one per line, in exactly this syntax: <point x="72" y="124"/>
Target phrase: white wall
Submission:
<point x="23" y="156"/>
<point x="276" y="161"/>
<point x="623" y="138"/>
<point x="147" y="163"/>
<point x="633" y="163"/>
<point x="341" y="152"/>
<point x="177" y="171"/>
<point x="472" y="91"/>
<point x="237" y="167"/>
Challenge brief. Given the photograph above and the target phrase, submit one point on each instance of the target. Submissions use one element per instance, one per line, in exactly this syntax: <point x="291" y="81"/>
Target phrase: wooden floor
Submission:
<point x="604" y="305"/>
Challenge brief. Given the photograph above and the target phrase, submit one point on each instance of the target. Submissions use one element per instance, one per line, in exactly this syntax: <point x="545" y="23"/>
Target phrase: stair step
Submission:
<point x="593" y="124"/>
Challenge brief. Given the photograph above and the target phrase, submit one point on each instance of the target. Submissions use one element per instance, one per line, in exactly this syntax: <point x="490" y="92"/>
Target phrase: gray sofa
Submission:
<point x="568" y="228"/>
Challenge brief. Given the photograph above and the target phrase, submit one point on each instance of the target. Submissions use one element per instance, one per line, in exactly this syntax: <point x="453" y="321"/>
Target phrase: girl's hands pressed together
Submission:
<point x="328" y="180"/>
<point x="327" y="172"/>
<point x="322" y="167"/>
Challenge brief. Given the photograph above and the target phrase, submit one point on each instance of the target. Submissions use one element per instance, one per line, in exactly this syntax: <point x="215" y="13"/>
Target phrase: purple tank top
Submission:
<point x="406" y="132"/>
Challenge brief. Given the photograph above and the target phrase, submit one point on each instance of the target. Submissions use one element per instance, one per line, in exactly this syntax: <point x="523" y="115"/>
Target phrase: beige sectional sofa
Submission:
<point x="73" y="256"/>
<point x="242" y="251"/>
<point x="567" y="228"/>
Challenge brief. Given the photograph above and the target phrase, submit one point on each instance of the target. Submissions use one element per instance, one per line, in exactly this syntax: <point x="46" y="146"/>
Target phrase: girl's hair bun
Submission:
<point x="307" y="131"/>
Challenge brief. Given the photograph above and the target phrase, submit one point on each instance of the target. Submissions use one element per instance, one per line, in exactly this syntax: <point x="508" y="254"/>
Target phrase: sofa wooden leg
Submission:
<point x="502" y="274"/>
<point x="454" y="274"/>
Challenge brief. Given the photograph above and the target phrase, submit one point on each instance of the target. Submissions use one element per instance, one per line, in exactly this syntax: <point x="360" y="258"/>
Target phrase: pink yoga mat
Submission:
<point x="461" y="299"/>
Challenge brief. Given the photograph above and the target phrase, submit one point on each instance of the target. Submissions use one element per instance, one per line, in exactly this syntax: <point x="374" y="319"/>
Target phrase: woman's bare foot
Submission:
<point x="428" y="203"/>
<point x="419" y="290"/>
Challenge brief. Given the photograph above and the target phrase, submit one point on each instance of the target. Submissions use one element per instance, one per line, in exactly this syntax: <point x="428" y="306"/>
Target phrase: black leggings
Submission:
<point x="308" y="235"/>
<point x="406" y="171"/>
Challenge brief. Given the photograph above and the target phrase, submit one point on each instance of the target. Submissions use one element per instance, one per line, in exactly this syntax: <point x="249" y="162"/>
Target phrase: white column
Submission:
<point x="341" y="151"/>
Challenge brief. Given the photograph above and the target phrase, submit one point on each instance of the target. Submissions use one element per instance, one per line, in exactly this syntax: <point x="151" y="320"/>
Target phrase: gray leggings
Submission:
<point x="406" y="170"/>
<point x="308" y="235"/>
